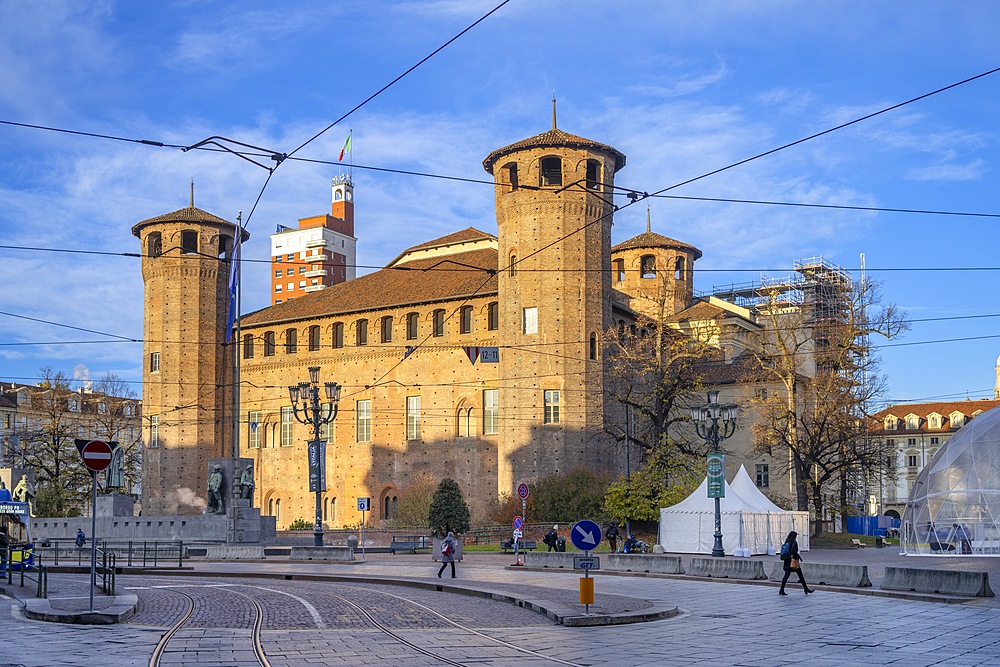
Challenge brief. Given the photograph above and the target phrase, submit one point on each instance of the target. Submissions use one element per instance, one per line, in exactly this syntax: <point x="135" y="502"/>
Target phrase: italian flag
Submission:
<point x="347" y="147"/>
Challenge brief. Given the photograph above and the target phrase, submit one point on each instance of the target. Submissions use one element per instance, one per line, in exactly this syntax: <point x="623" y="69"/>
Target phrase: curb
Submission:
<point x="873" y="592"/>
<point x="122" y="608"/>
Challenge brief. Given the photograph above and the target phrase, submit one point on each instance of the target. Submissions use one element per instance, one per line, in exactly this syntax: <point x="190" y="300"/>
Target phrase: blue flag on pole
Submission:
<point x="234" y="281"/>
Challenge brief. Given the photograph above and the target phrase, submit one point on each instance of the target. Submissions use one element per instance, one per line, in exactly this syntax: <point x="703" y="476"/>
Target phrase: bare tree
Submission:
<point x="116" y="419"/>
<point x="818" y="350"/>
<point x="49" y="445"/>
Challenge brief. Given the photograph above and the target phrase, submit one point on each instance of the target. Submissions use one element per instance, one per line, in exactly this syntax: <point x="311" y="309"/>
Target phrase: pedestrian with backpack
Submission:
<point x="448" y="546"/>
<point x="791" y="561"/>
<point x="81" y="539"/>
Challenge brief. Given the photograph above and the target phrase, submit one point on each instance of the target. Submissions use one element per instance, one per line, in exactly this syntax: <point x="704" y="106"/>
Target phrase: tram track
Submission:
<point x="255" y="629"/>
<point x="369" y="612"/>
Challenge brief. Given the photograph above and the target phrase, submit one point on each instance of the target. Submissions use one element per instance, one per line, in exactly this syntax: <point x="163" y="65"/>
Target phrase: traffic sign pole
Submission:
<point x="586" y="535"/>
<point x="93" y="537"/>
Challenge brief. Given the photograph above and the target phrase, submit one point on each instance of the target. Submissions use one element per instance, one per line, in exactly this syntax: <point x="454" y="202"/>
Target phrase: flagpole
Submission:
<point x="238" y="341"/>
<point x="350" y="169"/>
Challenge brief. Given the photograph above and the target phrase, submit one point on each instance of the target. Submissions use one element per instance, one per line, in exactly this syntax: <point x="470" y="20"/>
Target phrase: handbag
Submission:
<point x="794" y="564"/>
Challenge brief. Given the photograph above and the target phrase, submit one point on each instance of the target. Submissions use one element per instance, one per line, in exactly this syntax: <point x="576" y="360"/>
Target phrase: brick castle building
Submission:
<point x="418" y="399"/>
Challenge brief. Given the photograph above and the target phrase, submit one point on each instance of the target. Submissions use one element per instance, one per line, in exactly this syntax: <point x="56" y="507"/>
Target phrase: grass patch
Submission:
<point x="843" y="541"/>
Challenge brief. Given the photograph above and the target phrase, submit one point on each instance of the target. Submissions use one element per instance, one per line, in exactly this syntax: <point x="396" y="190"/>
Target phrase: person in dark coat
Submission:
<point x="552" y="538"/>
<point x="793" y="555"/>
<point x="448" y="547"/>
<point x="612" y="534"/>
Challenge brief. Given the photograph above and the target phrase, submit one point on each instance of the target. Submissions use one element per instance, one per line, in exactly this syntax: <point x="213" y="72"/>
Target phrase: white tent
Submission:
<point x="749" y="520"/>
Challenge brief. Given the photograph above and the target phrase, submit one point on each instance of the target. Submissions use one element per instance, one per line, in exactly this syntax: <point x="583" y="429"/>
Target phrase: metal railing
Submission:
<point x="133" y="553"/>
<point x="40" y="576"/>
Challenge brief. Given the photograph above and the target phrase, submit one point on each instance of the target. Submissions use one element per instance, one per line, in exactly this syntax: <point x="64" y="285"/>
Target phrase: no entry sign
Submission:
<point x="96" y="455"/>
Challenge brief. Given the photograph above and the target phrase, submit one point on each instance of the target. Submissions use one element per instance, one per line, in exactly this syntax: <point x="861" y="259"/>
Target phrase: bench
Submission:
<point x="411" y="545"/>
<point x="522" y="545"/>
<point x="858" y="544"/>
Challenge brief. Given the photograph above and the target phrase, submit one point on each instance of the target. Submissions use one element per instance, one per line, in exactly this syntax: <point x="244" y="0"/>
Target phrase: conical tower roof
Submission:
<point x="554" y="138"/>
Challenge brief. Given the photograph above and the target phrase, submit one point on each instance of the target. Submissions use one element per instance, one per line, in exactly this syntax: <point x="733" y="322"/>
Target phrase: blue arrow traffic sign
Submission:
<point x="586" y="535"/>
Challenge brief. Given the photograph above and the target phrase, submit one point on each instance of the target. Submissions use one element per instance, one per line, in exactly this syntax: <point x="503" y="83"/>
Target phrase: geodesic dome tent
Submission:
<point x="954" y="508"/>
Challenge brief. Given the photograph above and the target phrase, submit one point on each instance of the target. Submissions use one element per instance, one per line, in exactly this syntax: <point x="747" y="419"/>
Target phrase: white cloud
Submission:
<point x="971" y="171"/>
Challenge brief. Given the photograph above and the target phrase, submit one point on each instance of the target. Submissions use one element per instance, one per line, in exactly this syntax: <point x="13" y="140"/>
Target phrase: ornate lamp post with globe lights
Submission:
<point x="312" y="413"/>
<point x="707" y="425"/>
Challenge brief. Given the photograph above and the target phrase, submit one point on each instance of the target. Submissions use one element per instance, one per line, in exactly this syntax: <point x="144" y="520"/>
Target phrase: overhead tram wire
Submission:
<point x="400" y="77"/>
<point x="828" y="131"/>
<point x="634" y="196"/>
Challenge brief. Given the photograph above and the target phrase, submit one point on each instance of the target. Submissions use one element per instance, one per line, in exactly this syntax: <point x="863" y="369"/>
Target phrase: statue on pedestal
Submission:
<point x="114" y="477"/>
<point x="215" y="502"/>
<point x="24" y="492"/>
<point x="247" y="484"/>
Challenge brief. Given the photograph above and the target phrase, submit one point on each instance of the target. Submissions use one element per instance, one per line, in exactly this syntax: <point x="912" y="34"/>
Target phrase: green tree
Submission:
<point x="665" y="480"/>
<point x="448" y="511"/>
<point x="569" y="497"/>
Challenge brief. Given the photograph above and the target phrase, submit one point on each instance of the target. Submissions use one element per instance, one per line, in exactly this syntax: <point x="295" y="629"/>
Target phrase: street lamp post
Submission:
<point x="313" y="413"/>
<point x="707" y="425"/>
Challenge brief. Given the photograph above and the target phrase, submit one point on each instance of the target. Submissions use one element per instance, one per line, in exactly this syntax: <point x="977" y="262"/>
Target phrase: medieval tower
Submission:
<point x="185" y="268"/>
<point x="554" y="212"/>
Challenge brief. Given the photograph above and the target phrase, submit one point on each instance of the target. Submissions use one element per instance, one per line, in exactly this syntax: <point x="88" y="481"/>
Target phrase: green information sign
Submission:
<point x="716" y="475"/>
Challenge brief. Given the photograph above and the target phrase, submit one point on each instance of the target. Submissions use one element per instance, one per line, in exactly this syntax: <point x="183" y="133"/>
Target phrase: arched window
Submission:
<point x="338" y="334"/>
<point x="509" y="175"/>
<point x="154" y="244"/>
<point x="619" y="270"/>
<point x="268" y="343"/>
<point x="189" y="242"/>
<point x="512" y="271"/>
<point x="465" y="320"/>
<point x="387" y="329"/>
<point x="248" y="346"/>
<point x="439" y="322"/>
<point x="361" y="332"/>
<point x="225" y="246"/>
<point x="593" y="346"/>
<point x="338" y="195"/>
<point x="493" y="316"/>
<point x="387" y="508"/>
<point x="550" y="171"/>
<point x="648" y="266"/>
<point x="466" y="427"/>
<point x="412" y="325"/>
<point x="291" y="341"/>
<point x="593" y="175"/>
<point x="313" y="338"/>
<point x="330" y="510"/>
<point x="679" y="268"/>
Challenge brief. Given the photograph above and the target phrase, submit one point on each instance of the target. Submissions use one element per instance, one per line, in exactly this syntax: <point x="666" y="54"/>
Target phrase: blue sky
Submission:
<point x="682" y="88"/>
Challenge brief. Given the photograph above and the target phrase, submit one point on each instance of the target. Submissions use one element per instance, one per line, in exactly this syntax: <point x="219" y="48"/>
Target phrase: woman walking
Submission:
<point x="448" y="554"/>
<point x="791" y="559"/>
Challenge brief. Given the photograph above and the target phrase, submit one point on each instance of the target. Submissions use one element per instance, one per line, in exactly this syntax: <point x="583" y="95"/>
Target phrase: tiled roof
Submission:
<point x="420" y="281"/>
<point x="922" y="410"/>
<point x="699" y="312"/>
<point x="463" y="236"/>
<point x="7" y="402"/>
<point x="554" y="138"/>
<point x="188" y="214"/>
<point x="654" y="240"/>
<point x="467" y="235"/>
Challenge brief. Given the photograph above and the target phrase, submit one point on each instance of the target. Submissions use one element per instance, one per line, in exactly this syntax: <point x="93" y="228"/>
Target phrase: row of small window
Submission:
<point x="389" y="507"/>
<point x="465" y="426"/>
<point x="188" y="245"/>
<point x="386" y="329"/>
<point x="311" y="254"/>
<point x="550" y="172"/>
<point x="956" y="420"/>
<point x="291" y="285"/>
<point x="647" y="267"/>
<point x="912" y="442"/>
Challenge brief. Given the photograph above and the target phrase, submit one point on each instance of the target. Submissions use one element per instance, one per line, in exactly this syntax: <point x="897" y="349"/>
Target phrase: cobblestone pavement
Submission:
<point x="307" y="624"/>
